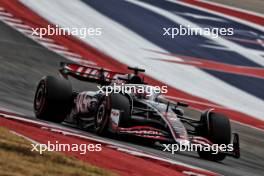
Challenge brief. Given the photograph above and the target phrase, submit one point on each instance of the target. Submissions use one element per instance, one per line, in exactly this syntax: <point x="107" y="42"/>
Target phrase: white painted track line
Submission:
<point x="42" y="39"/>
<point x="55" y="46"/>
<point x="6" y="14"/>
<point x="4" y="18"/>
<point x="19" y="25"/>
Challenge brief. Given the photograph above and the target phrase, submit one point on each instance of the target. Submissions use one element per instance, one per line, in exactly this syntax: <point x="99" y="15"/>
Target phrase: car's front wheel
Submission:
<point x="217" y="129"/>
<point x="102" y="115"/>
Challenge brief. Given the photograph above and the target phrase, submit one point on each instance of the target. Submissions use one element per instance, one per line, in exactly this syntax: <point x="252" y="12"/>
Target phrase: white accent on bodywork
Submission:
<point x="115" y="114"/>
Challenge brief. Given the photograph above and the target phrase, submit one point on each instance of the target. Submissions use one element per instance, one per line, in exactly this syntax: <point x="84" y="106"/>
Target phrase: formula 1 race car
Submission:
<point x="142" y="112"/>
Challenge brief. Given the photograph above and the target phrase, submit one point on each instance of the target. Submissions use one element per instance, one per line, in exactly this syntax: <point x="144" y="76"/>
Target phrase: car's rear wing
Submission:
<point x="88" y="73"/>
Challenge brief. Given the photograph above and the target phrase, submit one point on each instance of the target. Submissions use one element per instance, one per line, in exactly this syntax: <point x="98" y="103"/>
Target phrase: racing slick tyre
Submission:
<point x="217" y="129"/>
<point x="121" y="103"/>
<point x="53" y="99"/>
<point x="102" y="115"/>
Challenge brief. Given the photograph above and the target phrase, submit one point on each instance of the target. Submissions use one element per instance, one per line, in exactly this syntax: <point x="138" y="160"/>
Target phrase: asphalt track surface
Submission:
<point x="24" y="62"/>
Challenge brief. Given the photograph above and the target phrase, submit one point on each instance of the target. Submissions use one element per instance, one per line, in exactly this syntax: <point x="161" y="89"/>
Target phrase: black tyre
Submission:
<point x="53" y="99"/>
<point x="102" y="115"/>
<point x="217" y="129"/>
<point x="122" y="103"/>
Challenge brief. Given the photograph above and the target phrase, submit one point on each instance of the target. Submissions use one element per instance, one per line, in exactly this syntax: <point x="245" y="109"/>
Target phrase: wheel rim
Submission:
<point x="40" y="97"/>
<point x="100" y="114"/>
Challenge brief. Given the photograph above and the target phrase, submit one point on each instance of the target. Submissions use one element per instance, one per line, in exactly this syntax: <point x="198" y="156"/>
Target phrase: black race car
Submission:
<point x="144" y="114"/>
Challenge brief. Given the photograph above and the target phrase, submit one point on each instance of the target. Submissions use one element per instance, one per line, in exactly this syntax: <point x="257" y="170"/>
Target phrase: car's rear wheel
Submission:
<point x="217" y="129"/>
<point x="53" y="99"/>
